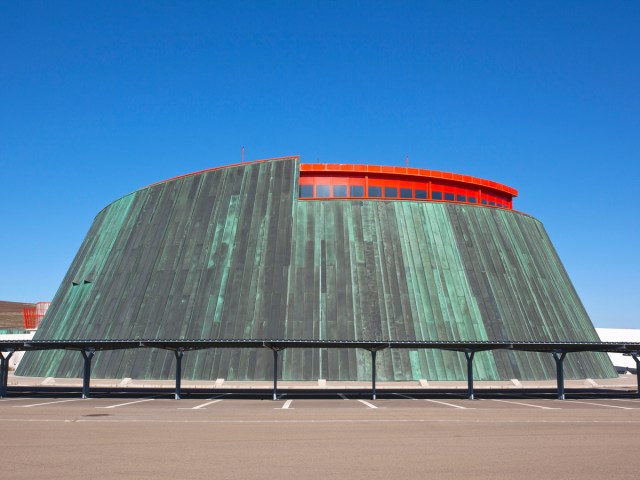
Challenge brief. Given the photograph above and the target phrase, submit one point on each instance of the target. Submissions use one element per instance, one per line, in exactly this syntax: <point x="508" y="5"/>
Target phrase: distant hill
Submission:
<point x="11" y="314"/>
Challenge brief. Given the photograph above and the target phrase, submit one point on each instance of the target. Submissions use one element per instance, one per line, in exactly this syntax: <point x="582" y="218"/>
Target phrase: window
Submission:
<point x="375" y="191"/>
<point x="421" y="194"/>
<point x="484" y="202"/>
<point x="406" y="193"/>
<point x="356" y="191"/>
<point x="449" y="197"/>
<point x="493" y="204"/>
<point x="436" y="195"/>
<point x="461" y="198"/>
<point x="323" y="191"/>
<point x="390" y="192"/>
<point x="473" y="200"/>
<point x="306" y="191"/>
<point x="339" y="190"/>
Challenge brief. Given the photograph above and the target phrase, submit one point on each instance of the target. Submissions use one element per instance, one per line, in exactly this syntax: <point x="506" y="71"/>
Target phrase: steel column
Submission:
<point x="373" y="374"/>
<point x="4" y="372"/>
<point x="469" y="356"/>
<point x="275" y="374"/>
<point x="634" y="355"/>
<point x="87" y="354"/>
<point x="559" y="357"/>
<point x="179" y="353"/>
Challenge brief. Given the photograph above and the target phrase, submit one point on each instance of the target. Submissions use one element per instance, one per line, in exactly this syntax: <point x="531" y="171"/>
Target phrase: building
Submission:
<point x="278" y="250"/>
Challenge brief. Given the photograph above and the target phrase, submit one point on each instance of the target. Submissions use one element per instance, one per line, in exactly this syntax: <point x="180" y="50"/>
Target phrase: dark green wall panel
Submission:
<point x="230" y="253"/>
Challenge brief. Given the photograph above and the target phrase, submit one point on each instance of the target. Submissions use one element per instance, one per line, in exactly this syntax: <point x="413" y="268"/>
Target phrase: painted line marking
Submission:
<point x="2" y="400"/>
<point x="215" y="399"/>
<point x="286" y="405"/>
<point x="449" y="404"/>
<point x="50" y="403"/>
<point x="342" y="396"/>
<point x="632" y="400"/>
<point x="370" y="405"/>
<point x="526" y="404"/>
<point x="599" y="404"/>
<point x="405" y="396"/>
<point x="131" y="403"/>
<point x="311" y="421"/>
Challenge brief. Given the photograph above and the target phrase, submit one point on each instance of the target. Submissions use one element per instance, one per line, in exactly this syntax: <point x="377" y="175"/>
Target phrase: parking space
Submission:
<point x="154" y="402"/>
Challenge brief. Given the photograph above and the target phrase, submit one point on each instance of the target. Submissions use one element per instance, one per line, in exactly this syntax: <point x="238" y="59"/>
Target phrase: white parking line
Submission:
<point x="598" y="404"/>
<point x="526" y="404"/>
<point x="449" y="404"/>
<point x="2" y="400"/>
<point x="405" y="396"/>
<point x="370" y="405"/>
<point x="215" y="399"/>
<point x="632" y="400"/>
<point x="342" y="396"/>
<point x="131" y="403"/>
<point x="286" y="405"/>
<point x="51" y="403"/>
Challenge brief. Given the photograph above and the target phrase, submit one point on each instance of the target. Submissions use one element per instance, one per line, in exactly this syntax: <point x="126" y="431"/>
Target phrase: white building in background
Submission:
<point x="619" y="360"/>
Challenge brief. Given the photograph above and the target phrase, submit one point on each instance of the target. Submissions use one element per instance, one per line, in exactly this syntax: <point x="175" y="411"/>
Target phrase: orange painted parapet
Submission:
<point x="323" y="181"/>
<point x="34" y="315"/>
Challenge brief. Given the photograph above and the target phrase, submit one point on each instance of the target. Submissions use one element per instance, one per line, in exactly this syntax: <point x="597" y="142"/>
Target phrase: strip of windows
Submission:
<point x="339" y="190"/>
<point x="375" y="191"/>
<point x="323" y="191"/>
<point x="306" y="191"/>
<point x="406" y="193"/>
<point x="356" y="191"/>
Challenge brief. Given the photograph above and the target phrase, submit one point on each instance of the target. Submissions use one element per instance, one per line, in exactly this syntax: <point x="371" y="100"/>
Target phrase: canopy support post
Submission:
<point x="87" y="354"/>
<point x="275" y="374"/>
<point x="634" y="355"/>
<point x="179" y="353"/>
<point x="469" y="354"/>
<point x="4" y="372"/>
<point x="373" y="374"/>
<point x="559" y="357"/>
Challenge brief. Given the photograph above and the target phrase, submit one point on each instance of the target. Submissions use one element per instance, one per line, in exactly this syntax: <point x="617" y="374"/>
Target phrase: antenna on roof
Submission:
<point x="406" y="160"/>
<point x="242" y="154"/>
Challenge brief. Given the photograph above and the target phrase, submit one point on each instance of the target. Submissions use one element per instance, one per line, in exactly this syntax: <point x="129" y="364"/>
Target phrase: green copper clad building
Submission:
<point x="279" y="250"/>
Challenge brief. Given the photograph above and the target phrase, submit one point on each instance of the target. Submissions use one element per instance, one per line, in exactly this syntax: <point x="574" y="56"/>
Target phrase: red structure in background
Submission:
<point x="33" y="315"/>
<point x="336" y="181"/>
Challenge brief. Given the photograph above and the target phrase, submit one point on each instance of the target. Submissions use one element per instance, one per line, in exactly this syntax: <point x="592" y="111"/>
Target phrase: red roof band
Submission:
<point x="335" y="181"/>
<point x="322" y="181"/>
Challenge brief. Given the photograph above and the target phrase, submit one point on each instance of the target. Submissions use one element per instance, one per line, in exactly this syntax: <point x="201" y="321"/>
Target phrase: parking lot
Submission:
<point x="311" y="434"/>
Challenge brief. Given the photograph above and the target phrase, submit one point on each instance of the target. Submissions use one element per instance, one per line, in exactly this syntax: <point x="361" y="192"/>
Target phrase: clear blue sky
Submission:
<point x="98" y="99"/>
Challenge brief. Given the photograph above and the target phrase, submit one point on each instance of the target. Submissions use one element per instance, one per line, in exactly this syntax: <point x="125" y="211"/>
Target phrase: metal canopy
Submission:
<point x="88" y="348"/>
<point x="274" y="344"/>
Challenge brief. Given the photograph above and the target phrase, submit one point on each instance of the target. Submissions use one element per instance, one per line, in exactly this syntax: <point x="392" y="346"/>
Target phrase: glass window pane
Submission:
<point x="390" y="192"/>
<point x="473" y="200"/>
<point x="323" y="191"/>
<point x="375" y="191"/>
<point x="421" y="194"/>
<point x="484" y="202"/>
<point x="356" y="191"/>
<point x="339" y="190"/>
<point x="406" y="193"/>
<point x="449" y="196"/>
<point x="493" y="204"/>
<point x="306" y="191"/>
<point x="461" y="198"/>
<point x="436" y="195"/>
